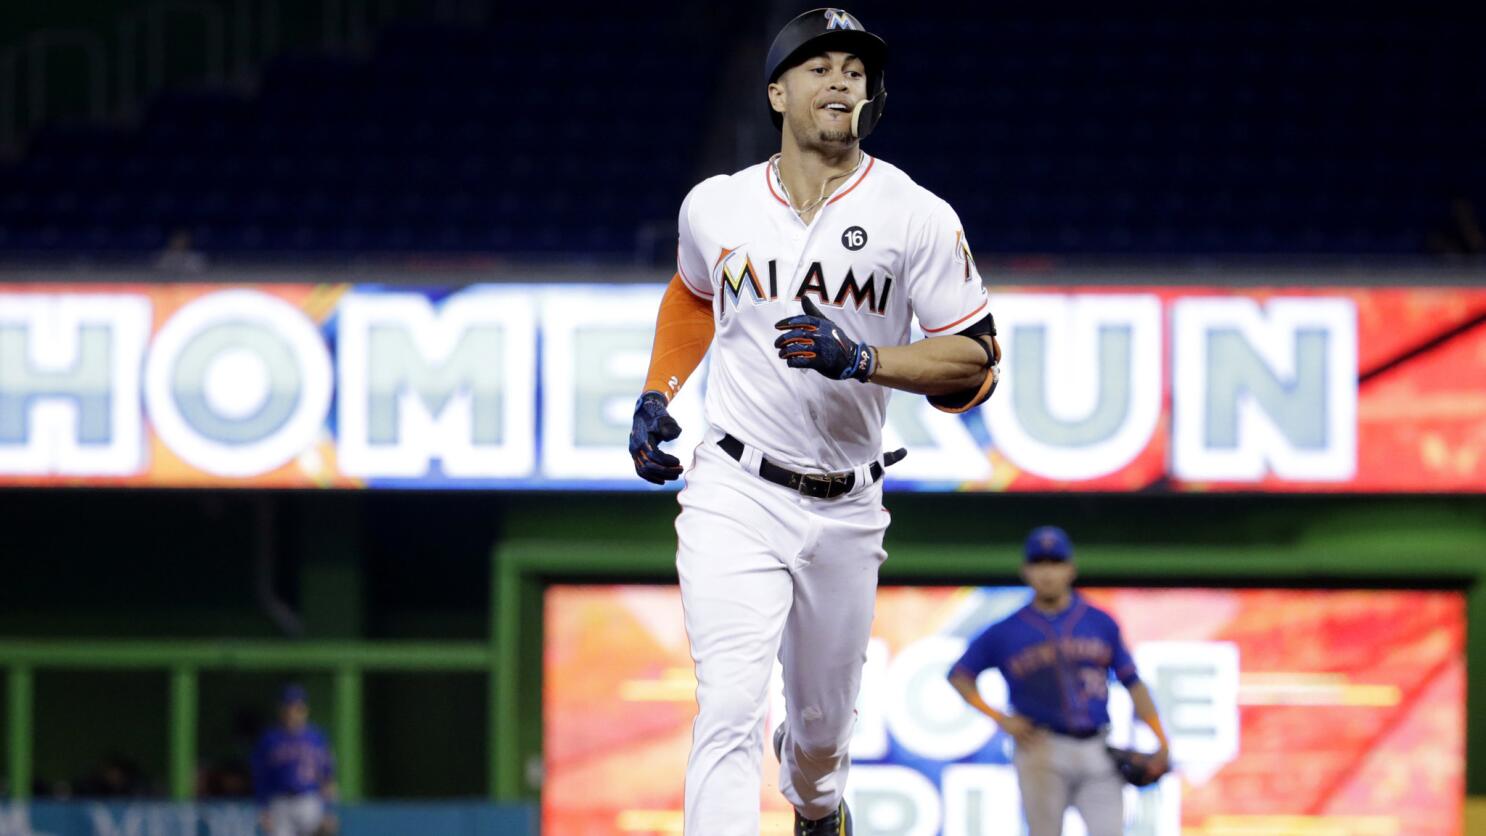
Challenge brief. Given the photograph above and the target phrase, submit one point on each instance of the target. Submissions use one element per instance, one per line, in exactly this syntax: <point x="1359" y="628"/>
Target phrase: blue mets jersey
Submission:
<point x="289" y="763"/>
<point x="1057" y="667"/>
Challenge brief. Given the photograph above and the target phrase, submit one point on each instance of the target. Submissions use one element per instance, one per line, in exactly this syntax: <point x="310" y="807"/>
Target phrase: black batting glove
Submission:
<point x="652" y="425"/>
<point x="810" y="341"/>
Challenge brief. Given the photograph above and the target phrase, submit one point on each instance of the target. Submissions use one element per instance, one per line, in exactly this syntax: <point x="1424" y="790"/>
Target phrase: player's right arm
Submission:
<point x="683" y="332"/>
<point x="1020" y="729"/>
<point x="261" y="790"/>
<point x="964" y="682"/>
<point x="982" y="654"/>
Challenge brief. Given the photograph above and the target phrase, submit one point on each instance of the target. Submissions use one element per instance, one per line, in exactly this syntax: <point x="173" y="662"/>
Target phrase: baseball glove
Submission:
<point x="1135" y="766"/>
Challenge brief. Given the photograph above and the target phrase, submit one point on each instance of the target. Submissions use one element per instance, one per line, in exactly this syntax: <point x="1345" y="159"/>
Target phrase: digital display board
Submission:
<point x="1289" y="711"/>
<point x="516" y="386"/>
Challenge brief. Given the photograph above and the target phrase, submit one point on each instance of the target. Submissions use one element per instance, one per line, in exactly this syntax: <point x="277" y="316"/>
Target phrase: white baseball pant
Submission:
<point x="766" y="571"/>
<point x="1054" y="771"/>
<point x="296" y="815"/>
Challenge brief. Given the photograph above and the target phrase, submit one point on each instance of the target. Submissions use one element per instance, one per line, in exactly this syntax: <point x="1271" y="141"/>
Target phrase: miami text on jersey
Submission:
<point x="734" y="271"/>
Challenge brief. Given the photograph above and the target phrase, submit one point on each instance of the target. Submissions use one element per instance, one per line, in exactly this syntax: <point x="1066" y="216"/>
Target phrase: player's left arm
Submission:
<point x="957" y="365"/>
<point x="327" y="770"/>
<point x="938" y="366"/>
<point x="1123" y="666"/>
<point x="1145" y="709"/>
<point x="329" y="791"/>
<point x="966" y="362"/>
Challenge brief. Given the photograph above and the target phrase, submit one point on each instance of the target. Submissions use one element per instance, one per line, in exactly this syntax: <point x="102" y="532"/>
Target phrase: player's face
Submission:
<point x="817" y="97"/>
<point x="295" y="715"/>
<point x="1049" y="579"/>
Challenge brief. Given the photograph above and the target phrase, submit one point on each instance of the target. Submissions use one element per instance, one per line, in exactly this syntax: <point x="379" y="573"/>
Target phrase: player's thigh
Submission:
<point x="731" y="523"/>
<point x="835" y="591"/>
<point x="830" y="620"/>
<point x="1044" y="785"/>
<point x="309" y="812"/>
<point x="1100" y="801"/>
<point x="735" y="587"/>
<point x="282" y="818"/>
<point x="1100" y="796"/>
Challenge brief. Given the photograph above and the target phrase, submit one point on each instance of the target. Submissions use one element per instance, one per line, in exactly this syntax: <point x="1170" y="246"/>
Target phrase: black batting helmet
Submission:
<point x="825" y="30"/>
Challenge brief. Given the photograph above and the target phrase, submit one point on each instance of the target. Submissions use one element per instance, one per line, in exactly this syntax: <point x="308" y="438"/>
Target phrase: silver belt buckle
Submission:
<point x="826" y="481"/>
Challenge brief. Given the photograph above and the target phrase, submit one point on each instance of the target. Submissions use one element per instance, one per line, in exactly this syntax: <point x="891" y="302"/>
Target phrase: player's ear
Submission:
<point x="776" y="96"/>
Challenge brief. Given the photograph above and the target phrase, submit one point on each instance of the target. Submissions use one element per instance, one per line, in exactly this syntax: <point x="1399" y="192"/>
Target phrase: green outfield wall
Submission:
<point x="428" y="640"/>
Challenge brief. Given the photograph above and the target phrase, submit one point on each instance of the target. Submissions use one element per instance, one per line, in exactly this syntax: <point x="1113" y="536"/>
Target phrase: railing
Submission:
<point x="186" y="660"/>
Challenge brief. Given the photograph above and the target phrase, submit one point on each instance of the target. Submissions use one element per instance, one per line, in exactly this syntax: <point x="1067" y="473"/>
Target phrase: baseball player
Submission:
<point x="1057" y="654"/>
<point x="803" y="274"/>
<point x="294" y="773"/>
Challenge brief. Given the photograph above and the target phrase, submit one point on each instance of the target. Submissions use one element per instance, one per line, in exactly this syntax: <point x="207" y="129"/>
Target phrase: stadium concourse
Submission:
<point x="322" y="326"/>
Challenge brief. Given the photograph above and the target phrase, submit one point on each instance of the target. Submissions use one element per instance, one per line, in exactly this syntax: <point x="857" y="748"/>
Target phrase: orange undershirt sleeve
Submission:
<point x="683" y="331"/>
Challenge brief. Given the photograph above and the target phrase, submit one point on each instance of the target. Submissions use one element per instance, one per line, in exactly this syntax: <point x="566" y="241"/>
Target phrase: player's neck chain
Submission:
<point x="824" y="186"/>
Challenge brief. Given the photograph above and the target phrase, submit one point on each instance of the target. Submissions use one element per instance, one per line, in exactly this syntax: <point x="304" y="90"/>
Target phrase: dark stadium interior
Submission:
<point x="1253" y="133"/>
<point x="382" y="143"/>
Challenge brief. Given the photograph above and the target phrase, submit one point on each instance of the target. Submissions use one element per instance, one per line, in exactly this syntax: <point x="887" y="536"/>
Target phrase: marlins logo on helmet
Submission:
<point x="839" y="19"/>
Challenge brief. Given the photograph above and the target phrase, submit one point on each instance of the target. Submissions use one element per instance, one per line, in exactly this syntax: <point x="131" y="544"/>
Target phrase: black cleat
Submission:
<point x="838" y="823"/>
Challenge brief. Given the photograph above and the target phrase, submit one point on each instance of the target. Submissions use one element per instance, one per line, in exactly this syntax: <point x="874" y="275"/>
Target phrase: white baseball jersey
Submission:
<point x="880" y="251"/>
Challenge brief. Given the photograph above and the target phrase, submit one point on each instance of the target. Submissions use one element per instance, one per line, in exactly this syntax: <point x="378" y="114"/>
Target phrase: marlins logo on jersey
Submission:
<point x="962" y="253"/>
<point x="733" y="271"/>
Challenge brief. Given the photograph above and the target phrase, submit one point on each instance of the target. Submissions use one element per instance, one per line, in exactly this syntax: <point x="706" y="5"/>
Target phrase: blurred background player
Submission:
<point x="294" y="773"/>
<point x="1057" y="654"/>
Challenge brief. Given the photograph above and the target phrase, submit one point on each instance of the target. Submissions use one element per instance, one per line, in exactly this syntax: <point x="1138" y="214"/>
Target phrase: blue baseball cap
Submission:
<point x="293" y="693"/>
<point x="1048" y="543"/>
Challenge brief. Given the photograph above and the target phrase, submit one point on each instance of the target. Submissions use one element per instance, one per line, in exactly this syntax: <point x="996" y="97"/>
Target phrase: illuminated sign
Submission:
<point x="1243" y="679"/>
<point x="531" y="386"/>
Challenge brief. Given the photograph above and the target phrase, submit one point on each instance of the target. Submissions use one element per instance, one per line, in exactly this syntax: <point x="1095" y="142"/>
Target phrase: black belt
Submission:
<point x="814" y="485"/>
<point x="1079" y="735"/>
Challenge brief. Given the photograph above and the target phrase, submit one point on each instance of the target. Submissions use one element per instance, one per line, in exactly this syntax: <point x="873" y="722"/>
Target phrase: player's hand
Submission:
<point x="1159" y="764"/>
<point x="1019" y="727"/>
<point x="652" y="425"/>
<point x="810" y="341"/>
<point x="265" y="821"/>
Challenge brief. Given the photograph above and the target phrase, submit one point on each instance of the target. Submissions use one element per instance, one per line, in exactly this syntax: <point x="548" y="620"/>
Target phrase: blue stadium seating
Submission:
<point x="1190" y="136"/>
<point x="444" y="140"/>
<point x="537" y="137"/>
